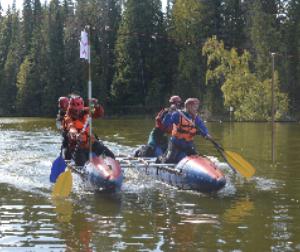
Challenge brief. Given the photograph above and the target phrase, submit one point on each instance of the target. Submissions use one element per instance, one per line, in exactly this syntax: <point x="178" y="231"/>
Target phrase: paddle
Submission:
<point x="58" y="166"/>
<point x="63" y="185"/>
<point x="235" y="160"/>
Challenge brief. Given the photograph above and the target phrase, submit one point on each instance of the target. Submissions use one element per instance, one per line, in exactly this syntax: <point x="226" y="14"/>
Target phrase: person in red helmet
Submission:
<point x="76" y="126"/>
<point x="186" y="125"/>
<point x="158" y="137"/>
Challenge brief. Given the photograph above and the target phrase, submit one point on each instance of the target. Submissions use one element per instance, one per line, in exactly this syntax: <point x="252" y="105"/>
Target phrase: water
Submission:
<point x="261" y="214"/>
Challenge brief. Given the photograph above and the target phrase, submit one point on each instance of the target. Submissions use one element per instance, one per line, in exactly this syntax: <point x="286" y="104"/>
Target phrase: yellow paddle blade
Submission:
<point x="63" y="185"/>
<point x="240" y="164"/>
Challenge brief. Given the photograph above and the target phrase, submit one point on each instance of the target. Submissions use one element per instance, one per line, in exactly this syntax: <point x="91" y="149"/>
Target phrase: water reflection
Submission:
<point x="87" y="218"/>
<point x="239" y="211"/>
<point x="261" y="214"/>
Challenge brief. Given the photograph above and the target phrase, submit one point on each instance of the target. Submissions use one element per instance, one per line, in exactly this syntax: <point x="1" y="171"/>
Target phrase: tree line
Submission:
<point x="216" y="50"/>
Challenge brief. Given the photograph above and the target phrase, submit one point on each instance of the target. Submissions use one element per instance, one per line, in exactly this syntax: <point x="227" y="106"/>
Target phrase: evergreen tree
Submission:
<point x="27" y="26"/>
<point x="5" y="40"/>
<point x="234" y="23"/>
<point x="31" y="78"/>
<point x="11" y="67"/>
<point x="190" y="29"/>
<point x="137" y="53"/>
<point x="55" y="57"/>
<point x="264" y="35"/>
<point x="0" y="12"/>
<point x="106" y="23"/>
<point x="74" y="77"/>
<point x="293" y="54"/>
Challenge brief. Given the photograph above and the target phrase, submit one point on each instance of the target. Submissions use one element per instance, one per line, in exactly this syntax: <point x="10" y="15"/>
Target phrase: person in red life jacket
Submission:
<point x="186" y="125"/>
<point x="77" y="128"/>
<point x="158" y="137"/>
<point x="63" y="104"/>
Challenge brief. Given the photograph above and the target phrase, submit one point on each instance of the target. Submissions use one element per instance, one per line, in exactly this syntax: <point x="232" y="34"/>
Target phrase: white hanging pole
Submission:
<point x="90" y="92"/>
<point x="85" y="53"/>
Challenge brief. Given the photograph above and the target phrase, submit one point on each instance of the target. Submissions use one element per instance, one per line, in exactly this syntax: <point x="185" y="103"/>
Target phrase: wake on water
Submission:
<point x="26" y="158"/>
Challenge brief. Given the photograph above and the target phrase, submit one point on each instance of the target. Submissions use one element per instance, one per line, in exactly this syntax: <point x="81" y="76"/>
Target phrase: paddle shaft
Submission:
<point x="221" y="150"/>
<point x="235" y="161"/>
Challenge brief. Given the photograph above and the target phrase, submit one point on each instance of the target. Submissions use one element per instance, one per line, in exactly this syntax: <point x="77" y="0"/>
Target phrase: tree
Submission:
<point x="11" y="67"/>
<point x="233" y="23"/>
<point x="190" y="28"/>
<point x="31" y="77"/>
<point x="264" y="35"/>
<point x="138" y="54"/>
<point x="27" y="26"/>
<point x="292" y="39"/>
<point x="6" y="35"/>
<point x="55" y="57"/>
<point x="242" y="89"/>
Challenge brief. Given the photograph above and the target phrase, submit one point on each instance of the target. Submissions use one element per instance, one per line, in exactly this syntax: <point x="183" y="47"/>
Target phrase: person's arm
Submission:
<point x="201" y="128"/>
<point x="166" y="122"/>
<point x="170" y="120"/>
<point x="99" y="111"/>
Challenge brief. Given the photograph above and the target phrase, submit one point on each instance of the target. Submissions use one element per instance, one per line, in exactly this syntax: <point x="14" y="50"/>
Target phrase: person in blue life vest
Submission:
<point x="186" y="125"/>
<point x="159" y="135"/>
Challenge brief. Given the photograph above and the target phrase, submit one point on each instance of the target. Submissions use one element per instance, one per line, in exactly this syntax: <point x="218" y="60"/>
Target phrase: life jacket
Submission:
<point x="158" y="121"/>
<point x="185" y="129"/>
<point x="78" y="124"/>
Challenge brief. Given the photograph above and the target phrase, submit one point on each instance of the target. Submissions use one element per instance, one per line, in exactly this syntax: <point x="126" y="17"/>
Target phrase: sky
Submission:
<point x="19" y="3"/>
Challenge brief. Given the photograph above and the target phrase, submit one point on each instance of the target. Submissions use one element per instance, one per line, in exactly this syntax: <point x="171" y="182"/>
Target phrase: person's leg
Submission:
<point x="191" y="150"/>
<point x="158" y="151"/>
<point x="100" y="149"/>
<point x="80" y="157"/>
<point x="151" y="138"/>
<point x="171" y="154"/>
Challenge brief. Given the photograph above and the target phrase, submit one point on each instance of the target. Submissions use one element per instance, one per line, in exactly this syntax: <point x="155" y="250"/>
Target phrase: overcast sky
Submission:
<point x="19" y="3"/>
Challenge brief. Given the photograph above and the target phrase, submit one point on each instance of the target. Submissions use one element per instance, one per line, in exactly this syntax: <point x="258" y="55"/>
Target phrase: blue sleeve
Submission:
<point x="171" y="118"/>
<point x="200" y="125"/>
<point x="167" y="120"/>
<point x="175" y="117"/>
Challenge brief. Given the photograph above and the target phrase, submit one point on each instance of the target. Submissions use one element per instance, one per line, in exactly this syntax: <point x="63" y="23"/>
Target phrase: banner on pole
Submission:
<point x="84" y="46"/>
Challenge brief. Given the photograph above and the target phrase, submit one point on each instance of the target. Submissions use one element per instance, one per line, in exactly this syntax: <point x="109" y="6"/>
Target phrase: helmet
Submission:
<point x="175" y="99"/>
<point x="76" y="106"/>
<point x="191" y="101"/>
<point x="63" y="103"/>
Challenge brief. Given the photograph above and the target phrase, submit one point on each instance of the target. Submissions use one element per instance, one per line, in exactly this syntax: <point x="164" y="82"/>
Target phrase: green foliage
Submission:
<point x="250" y="97"/>
<point x="189" y="29"/>
<point x="9" y="61"/>
<point x="292" y="48"/>
<point x="140" y="56"/>
<point x="264" y="35"/>
<point x="55" y="58"/>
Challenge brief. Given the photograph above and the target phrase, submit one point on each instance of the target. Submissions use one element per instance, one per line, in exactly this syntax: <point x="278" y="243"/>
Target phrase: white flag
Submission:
<point x="84" y="46"/>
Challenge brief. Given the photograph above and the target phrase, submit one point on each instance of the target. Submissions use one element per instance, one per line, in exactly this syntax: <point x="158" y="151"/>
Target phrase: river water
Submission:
<point x="260" y="214"/>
